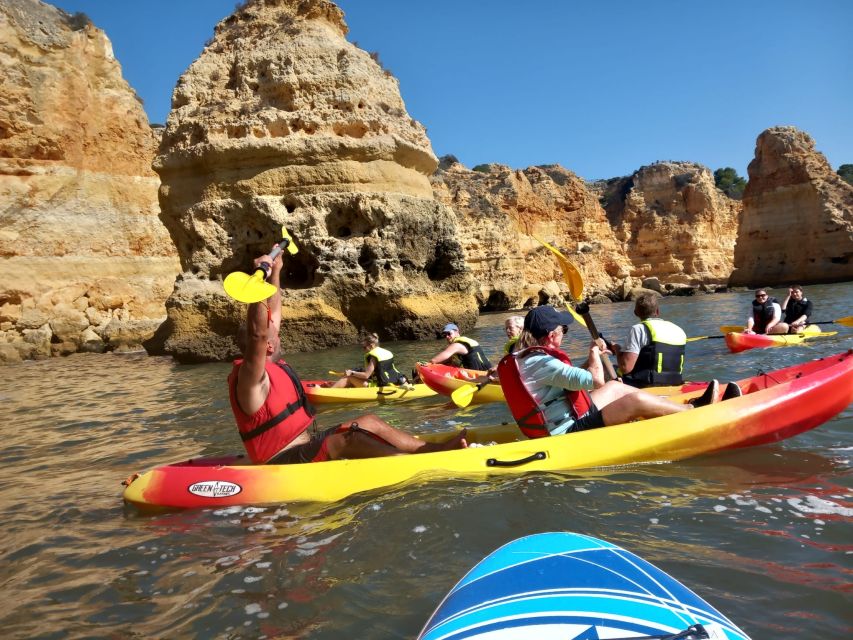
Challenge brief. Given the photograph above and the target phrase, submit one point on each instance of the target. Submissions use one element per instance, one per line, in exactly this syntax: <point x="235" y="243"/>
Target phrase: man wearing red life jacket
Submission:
<point x="274" y="418"/>
<point x="549" y="396"/>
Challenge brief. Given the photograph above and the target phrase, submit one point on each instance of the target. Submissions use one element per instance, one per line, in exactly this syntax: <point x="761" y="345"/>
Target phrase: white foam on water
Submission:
<point x="813" y="504"/>
<point x="227" y="561"/>
<point x="263" y="565"/>
<point x="763" y="509"/>
<point x="251" y="579"/>
<point x="228" y="511"/>
<point x="252" y="609"/>
<point x="581" y="489"/>
<point x="419" y="529"/>
<point x="720" y="508"/>
<point x="654" y="520"/>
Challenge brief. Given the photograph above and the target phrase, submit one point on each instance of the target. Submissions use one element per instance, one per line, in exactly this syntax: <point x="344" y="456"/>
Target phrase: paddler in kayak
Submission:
<point x="547" y="395"/>
<point x="766" y="314"/>
<point x="512" y="327"/>
<point x="654" y="352"/>
<point x="467" y="352"/>
<point x="275" y="419"/>
<point x="798" y="309"/>
<point x="378" y="370"/>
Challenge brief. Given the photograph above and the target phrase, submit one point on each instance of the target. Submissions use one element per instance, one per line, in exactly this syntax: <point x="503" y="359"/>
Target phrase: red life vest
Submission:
<point x="284" y="415"/>
<point x="529" y="415"/>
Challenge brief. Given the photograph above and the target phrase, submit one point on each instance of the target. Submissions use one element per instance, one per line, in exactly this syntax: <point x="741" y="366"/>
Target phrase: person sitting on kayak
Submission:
<point x="512" y="327"/>
<point x="654" y="352"/>
<point x="378" y="370"/>
<point x="547" y="395"/>
<point x="798" y="309"/>
<point x="275" y="419"/>
<point x="766" y="314"/>
<point x="466" y="351"/>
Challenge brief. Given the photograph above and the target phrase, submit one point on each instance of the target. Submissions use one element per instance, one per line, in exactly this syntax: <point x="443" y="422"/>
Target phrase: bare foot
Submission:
<point x="456" y="442"/>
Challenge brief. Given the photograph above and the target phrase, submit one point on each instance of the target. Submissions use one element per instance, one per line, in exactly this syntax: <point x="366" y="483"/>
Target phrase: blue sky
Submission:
<point x="601" y="88"/>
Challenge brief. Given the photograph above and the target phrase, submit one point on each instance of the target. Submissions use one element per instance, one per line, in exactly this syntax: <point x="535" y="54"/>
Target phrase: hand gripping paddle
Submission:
<point x="254" y="288"/>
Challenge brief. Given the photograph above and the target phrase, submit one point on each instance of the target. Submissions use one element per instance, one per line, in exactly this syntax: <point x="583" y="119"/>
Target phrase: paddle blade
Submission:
<point x="571" y="275"/>
<point x="288" y="242"/>
<point x="846" y="322"/>
<point x="462" y="396"/>
<point x="731" y="328"/>
<point x="339" y="374"/>
<point x="248" y="288"/>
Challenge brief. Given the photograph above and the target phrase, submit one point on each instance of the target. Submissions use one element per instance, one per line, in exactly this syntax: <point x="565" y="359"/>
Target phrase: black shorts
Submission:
<point x="307" y="452"/>
<point x="592" y="419"/>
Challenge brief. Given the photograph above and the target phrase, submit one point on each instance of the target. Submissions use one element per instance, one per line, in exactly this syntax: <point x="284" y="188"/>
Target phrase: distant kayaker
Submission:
<point x="798" y="309"/>
<point x="654" y="352"/>
<point x="549" y="396"/>
<point x="378" y="370"/>
<point x="467" y="352"/>
<point x="275" y="419"/>
<point x="766" y="314"/>
<point x="512" y="327"/>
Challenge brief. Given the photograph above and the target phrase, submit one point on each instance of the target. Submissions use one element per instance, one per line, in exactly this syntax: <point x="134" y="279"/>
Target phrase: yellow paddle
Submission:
<point x="574" y="280"/>
<point x="462" y="396"/>
<point x="247" y="288"/>
<point x="847" y="321"/>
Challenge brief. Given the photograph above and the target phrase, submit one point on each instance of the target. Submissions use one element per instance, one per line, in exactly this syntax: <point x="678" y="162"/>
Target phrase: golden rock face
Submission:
<point x="797" y="218"/>
<point x="79" y="198"/>
<point x="282" y="122"/>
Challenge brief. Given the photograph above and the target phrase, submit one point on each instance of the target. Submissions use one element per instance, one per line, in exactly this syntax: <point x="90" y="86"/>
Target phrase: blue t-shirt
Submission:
<point x="547" y="378"/>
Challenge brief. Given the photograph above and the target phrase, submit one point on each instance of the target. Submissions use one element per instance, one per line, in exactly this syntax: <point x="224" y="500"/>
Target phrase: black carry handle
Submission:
<point x="494" y="462"/>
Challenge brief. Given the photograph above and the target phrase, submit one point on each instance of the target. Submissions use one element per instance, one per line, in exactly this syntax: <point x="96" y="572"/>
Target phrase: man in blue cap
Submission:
<point x="548" y="395"/>
<point x="467" y="352"/>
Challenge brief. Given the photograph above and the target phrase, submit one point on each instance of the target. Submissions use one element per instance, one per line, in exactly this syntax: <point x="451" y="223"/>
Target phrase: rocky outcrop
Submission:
<point x="500" y="209"/>
<point x="85" y="263"/>
<point x="282" y="122"/>
<point x="673" y="223"/>
<point x="797" y="221"/>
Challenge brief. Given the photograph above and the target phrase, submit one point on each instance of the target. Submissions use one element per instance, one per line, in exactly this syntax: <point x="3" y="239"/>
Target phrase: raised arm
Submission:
<point x="263" y="320"/>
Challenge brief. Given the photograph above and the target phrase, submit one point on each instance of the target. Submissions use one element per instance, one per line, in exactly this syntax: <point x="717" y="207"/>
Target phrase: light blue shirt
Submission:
<point x="547" y="378"/>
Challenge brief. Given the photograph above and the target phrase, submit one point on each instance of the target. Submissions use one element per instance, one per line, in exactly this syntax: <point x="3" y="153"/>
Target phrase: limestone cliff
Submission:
<point x="797" y="224"/>
<point x="500" y="209"/>
<point x="673" y="223"/>
<point x="85" y="263"/>
<point x="282" y="122"/>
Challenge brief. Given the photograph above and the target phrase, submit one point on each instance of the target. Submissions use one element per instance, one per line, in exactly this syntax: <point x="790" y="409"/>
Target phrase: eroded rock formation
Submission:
<point x="797" y="221"/>
<point x="673" y="223"/>
<point x="85" y="263"/>
<point x="500" y="209"/>
<point x="282" y="122"/>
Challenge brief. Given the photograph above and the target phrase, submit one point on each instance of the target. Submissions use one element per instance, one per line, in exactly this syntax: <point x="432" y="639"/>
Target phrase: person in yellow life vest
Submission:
<point x="466" y="351"/>
<point x="512" y="326"/>
<point x="378" y="370"/>
<point x="654" y="352"/>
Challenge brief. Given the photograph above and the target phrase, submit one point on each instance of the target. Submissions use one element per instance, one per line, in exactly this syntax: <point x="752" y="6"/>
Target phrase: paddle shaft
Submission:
<point x="266" y="267"/>
<point x="583" y="310"/>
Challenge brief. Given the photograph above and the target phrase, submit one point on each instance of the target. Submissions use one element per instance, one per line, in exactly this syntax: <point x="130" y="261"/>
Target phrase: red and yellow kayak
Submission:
<point x="774" y="406"/>
<point x="319" y="394"/>
<point x="737" y="341"/>
<point x="445" y="379"/>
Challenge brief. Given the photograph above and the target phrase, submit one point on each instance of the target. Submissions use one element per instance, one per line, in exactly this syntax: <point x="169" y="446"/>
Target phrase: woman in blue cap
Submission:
<point x="548" y="395"/>
<point x="467" y="352"/>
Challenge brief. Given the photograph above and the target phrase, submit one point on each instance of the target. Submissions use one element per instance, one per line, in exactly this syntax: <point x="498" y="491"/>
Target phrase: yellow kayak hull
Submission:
<point x="775" y="405"/>
<point x="331" y="395"/>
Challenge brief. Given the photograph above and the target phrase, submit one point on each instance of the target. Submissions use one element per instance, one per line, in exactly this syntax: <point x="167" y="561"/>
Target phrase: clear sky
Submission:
<point x="600" y="87"/>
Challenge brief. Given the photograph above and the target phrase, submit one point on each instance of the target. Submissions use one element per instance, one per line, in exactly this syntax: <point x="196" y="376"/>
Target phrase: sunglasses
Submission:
<point x="447" y="334"/>
<point x="761" y="295"/>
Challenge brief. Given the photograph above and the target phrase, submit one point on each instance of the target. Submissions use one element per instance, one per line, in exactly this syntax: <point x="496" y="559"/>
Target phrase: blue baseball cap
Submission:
<point x="450" y="327"/>
<point x="540" y="321"/>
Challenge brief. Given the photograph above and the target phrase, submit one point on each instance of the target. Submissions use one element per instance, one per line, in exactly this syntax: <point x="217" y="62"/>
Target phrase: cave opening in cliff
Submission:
<point x="443" y="265"/>
<point x="498" y="301"/>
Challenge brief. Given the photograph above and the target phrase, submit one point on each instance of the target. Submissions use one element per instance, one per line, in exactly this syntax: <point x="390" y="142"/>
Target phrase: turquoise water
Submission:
<point x="764" y="534"/>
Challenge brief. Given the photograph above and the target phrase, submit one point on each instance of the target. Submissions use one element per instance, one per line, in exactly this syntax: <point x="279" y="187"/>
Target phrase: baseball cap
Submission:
<point x="450" y="327"/>
<point x="541" y="320"/>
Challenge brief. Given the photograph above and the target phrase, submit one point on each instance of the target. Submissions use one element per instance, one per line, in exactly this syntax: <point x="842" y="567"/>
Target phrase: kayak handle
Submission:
<point x="494" y="462"/>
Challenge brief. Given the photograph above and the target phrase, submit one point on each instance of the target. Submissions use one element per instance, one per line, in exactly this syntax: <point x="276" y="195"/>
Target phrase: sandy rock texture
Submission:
<point x="282" y="122"/>
<point x="85" y="263"/>
<point x="501" y="209"/>
<point x="798" y="215"/>
<point x="673" y="223"/>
